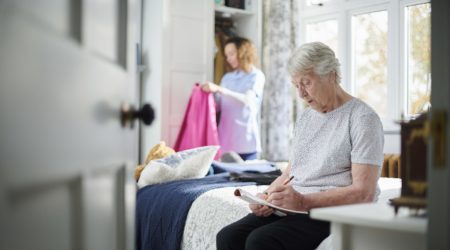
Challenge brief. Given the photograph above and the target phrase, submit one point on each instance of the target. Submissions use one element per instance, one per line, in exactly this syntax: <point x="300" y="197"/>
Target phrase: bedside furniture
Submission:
<point x="373" y="226"/>
<point x="413" y="167"/>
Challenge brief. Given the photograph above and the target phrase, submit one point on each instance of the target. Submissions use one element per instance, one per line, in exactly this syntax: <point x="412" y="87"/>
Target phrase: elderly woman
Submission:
<point x="336" y="156"/>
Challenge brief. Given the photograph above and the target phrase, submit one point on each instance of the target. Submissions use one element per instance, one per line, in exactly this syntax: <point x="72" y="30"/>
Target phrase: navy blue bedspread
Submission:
<point x="161" y="210"/>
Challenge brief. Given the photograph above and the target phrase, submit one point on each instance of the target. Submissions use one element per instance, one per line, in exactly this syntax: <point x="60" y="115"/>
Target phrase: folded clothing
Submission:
<point x="247" y="167"/>
<point x="259" y="178"/>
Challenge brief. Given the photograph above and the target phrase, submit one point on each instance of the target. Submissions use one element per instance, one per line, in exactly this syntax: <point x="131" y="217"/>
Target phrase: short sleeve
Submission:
<point x="367" y="140"/>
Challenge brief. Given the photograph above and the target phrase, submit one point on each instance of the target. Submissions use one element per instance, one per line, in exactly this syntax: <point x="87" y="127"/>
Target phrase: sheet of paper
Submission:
<point x="252" y="199"/>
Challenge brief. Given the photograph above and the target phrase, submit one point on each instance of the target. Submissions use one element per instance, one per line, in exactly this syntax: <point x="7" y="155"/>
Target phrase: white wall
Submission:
<point x="391" y="137"/>
<point x="391" y="143"/>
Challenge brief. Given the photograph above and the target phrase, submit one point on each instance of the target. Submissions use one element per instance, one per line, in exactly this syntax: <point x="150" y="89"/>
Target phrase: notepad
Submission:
<point x="252" y="199"/>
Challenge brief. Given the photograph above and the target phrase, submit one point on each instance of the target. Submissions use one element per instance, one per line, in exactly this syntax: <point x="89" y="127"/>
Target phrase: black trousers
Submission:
<point x="273" y="232"/>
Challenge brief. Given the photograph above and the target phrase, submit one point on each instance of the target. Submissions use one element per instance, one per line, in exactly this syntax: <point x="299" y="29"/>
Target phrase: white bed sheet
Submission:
<point x="219" y="207"/>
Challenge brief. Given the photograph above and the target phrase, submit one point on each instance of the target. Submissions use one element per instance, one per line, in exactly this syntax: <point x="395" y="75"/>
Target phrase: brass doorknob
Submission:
<point x="128" y="114"/>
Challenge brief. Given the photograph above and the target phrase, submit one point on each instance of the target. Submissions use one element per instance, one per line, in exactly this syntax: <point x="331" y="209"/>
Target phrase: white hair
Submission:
<point x="316" y="57"/>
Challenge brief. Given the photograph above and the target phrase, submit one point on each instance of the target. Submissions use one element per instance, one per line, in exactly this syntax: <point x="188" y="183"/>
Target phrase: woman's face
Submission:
<point x="318" y="92"/>
<point x="231" y="55"/>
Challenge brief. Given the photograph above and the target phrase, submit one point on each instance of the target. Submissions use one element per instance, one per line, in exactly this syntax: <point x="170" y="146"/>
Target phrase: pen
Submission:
<point x="284" y="183"/>
<point x="288" y="180"/>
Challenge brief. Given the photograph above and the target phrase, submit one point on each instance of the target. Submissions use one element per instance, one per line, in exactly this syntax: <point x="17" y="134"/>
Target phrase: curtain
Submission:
<point x="279" y="39"/>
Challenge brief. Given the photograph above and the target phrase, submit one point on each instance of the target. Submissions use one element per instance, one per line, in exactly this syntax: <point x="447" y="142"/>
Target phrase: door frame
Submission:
<point x="439" y="177"/>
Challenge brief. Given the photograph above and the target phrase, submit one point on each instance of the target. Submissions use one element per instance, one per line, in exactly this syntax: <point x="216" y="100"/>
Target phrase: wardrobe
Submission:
<point x="179" y="49"/>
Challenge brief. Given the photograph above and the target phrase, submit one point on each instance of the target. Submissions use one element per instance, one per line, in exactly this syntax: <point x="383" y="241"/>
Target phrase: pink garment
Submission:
<point x="199" y="126"/>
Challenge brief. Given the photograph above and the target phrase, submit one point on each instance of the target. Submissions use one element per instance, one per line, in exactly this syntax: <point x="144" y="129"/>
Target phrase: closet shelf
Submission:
<point x="228" y="11"/>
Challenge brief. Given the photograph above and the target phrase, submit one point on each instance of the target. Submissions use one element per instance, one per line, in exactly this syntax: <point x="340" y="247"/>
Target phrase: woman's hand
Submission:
<point x="285" y="196"/>
<point x="260" y="210"/>
<point x="210" y="87"/>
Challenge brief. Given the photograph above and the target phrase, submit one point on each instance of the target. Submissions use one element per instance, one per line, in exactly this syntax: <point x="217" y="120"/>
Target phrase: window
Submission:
<point x="418" y="68"/>
<point x="383" y="46"/>
<point x="323" y="31"/>
<point x="369" y="59"/>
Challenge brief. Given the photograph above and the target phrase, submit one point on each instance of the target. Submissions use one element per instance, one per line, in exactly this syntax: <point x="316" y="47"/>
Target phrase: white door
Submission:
<point x="189" y="58"/>
<point x="178" y="49"/>
<point x="66" y="67"/>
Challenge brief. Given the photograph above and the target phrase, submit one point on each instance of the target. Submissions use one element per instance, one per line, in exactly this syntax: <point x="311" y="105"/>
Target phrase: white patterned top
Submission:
<point x="326" y="144"/>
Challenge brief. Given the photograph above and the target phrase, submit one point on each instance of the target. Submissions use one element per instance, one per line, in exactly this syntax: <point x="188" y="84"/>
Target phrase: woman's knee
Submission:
<point x="261" y="239"/>
<point x="222" y="234"/>
<point x="226" y="236"/>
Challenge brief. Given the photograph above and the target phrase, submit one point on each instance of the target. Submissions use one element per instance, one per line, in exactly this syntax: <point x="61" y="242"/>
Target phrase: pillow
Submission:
<point x="191" y="163"/>
<point x="158" y="151"/>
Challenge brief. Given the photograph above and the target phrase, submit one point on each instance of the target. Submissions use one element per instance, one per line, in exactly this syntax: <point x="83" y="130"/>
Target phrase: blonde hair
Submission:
<point x="316" y="57"/>
<point x="246" y="53"/>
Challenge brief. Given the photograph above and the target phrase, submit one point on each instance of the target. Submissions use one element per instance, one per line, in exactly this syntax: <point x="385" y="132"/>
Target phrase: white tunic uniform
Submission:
<point x="238" y="126"/>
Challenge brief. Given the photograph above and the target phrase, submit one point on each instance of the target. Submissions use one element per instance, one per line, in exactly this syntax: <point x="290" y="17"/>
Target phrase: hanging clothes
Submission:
<point x="219" y="59"/>
<point x="199" y="127"/>
<point x="223" y="29"/>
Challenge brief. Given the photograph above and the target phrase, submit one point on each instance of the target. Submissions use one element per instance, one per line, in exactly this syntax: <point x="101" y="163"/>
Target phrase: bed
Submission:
<point x="187" y="214"/>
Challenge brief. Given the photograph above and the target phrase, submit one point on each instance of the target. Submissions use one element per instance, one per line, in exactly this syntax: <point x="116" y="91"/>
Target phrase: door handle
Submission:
<point x="128" y="114"/>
